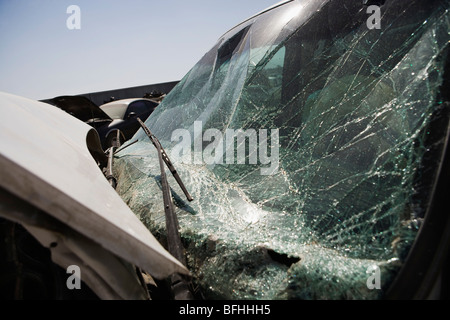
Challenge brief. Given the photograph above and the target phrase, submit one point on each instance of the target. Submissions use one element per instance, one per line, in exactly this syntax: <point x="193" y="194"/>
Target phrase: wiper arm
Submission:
<point x="180" y="286"/>
<point x="165" y="158"/>
<point x="109" y="168"/>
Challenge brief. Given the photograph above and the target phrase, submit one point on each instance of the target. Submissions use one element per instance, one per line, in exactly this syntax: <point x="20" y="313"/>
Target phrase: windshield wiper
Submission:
<point x="109" y="168"/>
<point x="165" y="158"/>
<point x="180" y="286"/>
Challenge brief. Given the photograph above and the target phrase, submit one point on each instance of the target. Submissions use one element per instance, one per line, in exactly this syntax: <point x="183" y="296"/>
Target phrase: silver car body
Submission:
<point x="51" y="184"/>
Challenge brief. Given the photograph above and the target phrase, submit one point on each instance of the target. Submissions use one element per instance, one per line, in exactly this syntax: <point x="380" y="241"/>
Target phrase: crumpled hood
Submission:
<point x="65" y="200"/>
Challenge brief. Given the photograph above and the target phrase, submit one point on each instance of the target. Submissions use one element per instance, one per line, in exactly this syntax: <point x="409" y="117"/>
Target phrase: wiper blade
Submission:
<point x="165" y="158"/>
<point x="180" y="286"/>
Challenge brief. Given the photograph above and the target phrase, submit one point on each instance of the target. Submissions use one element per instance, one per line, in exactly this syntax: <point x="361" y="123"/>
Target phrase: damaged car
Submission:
<point x="305" y="156"/>
<point x="314" y="143"/>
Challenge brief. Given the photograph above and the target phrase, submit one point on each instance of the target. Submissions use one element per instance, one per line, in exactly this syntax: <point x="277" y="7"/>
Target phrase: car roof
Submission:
<point x="276" y="5"/>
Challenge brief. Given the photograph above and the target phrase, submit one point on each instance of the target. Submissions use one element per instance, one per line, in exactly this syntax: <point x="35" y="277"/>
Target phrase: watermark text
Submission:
<point x="74" y="280"/>
<point x="73" y="22"/>
<point x="235" y="146"/>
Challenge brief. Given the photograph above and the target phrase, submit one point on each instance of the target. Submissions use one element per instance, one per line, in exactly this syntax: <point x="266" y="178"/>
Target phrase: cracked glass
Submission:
<point x="341" y="200"/>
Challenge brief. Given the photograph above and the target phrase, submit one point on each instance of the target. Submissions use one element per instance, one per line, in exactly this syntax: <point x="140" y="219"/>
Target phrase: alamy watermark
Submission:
<point x="74" y="280"/>
<point x="374" y="21"/>
<point x="374" y="9"/>
<point x="73" y="22"/>
<point x="235" y="146"/>
<point x="374" y="280"/>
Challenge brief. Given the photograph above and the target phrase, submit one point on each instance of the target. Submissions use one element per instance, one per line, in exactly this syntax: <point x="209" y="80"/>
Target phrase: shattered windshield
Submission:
<point x="301" y="136"/>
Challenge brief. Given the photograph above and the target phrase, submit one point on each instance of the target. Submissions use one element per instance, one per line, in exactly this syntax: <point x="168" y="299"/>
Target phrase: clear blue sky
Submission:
<point x="120" y="44"/>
